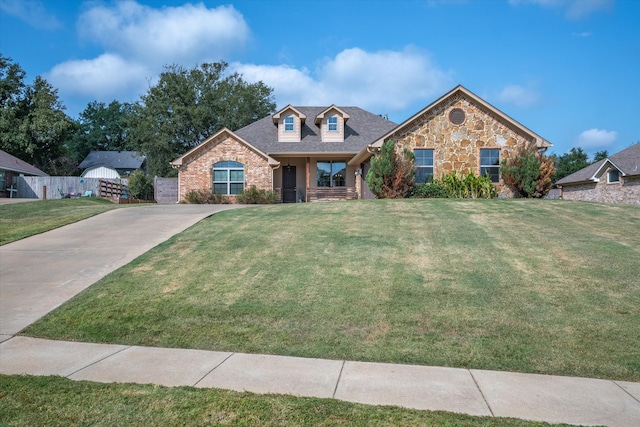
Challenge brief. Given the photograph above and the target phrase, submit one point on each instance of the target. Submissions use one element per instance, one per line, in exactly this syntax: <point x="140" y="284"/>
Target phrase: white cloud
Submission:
<point x="384" y="81"/>
<point x="31" y="12"/>
<point x="156" y="37"/>
<point x="519" y="96"/>
<point x="105" y="78"/>
<point x="592" y="139"/>
<point x="573" y="9"/>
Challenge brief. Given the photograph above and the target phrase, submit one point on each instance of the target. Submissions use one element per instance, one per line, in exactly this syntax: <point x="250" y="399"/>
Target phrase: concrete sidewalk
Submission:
<point x="39" y="273"/>
<point x="547" y="398"/>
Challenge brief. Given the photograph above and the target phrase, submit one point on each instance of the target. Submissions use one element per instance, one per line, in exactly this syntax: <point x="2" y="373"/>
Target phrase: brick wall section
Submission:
<point x="626" y="191"/>
<point x="197" y="168"/>
<point x="457" y="147"/>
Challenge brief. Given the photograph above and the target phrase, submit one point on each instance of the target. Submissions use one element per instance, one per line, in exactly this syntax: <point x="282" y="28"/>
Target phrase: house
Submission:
<point x="111" y="164"/>
<point x="10" y="167"/>
<point x="458" y="132"/>
<point x="299" y="152"/>
<point x="323" y="153"/>
<point x="615" y="179"/>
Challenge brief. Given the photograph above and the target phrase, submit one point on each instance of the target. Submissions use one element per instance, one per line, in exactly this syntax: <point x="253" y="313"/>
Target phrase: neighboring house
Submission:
<point x="10" y="167"/>
<point x="615" y="179"/>
<point x="111" y="164"/>
<point x="458" y="132"/>
<point x="323" y="153"/>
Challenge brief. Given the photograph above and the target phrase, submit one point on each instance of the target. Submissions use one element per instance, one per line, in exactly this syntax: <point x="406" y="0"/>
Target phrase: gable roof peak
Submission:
<point x="276" y="116"/>
<point x="344" y="114"/>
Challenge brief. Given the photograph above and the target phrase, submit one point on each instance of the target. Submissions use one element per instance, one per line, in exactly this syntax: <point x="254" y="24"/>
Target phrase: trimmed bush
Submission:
<point x="253" y="196"/>
<point x="204" y="197"/>
<point x="431" y="190"/>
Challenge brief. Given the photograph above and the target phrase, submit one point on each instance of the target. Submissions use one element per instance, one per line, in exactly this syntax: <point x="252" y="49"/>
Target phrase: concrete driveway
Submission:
<point x="41" y="272"/>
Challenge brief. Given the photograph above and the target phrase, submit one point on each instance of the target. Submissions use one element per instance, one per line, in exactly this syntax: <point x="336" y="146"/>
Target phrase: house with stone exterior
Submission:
<point x="457" y="132"/>
<point x="323" y="153"/>
<point x="615" y="179"/>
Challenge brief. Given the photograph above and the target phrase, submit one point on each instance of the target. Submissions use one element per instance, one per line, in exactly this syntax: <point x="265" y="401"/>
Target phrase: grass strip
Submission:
<point x="55" y="401"/>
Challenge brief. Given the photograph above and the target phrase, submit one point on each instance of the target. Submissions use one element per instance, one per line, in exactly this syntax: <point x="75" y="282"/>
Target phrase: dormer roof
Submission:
<point x="289" y="108"/>
<point x="320" y="116"/>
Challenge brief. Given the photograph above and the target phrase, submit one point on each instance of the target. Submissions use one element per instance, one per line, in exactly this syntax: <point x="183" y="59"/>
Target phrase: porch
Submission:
<point x="320" y="194"/>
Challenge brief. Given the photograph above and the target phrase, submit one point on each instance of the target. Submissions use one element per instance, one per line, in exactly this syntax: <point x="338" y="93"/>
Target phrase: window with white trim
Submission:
<point x="490" y="163"/>
<point x="333" y="123"/>
<point x="288" y="124"/>
<point x="613" y="176"/>
<point x="228" y="178"/>
<point x="424" y="165"/>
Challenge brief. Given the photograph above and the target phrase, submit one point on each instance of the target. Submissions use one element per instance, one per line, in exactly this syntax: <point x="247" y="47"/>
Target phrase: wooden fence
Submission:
<point x="54" y="187"/>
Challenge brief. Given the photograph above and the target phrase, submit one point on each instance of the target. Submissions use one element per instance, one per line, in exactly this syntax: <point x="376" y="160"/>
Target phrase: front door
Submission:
<point x="288" y="184"/>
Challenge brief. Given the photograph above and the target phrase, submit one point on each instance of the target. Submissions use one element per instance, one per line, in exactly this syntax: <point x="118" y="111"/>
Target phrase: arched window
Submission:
<point x="228" y="178"/>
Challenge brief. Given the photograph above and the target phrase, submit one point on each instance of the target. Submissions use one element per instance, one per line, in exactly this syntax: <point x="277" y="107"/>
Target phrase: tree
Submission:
<point x="100" y="127"/>
<point x="187" y="106"/>
<point x="391" y="175"/>
<point x="570" y="162"/>
<point x="33" y="124"/>
<point x="528" y="173"/>
<point x="600" y="155"/>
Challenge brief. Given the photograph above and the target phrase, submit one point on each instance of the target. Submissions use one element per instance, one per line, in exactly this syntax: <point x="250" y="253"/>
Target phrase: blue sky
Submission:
<point x="567" y="69"/>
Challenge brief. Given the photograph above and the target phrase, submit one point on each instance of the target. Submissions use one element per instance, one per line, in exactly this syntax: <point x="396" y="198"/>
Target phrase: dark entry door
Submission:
<point x="289" y="184"/>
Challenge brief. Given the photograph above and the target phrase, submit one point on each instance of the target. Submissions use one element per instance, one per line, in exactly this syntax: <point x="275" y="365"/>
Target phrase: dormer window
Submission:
<point x="613" y="176"/>
<point x="289" y="124"/>
<point x="333" y="123"/>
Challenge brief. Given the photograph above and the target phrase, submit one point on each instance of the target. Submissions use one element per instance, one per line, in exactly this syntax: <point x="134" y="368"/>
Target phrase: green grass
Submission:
<point x="21" y="220"/>
<point x="54" y="401"/>
<point x="545" y="287"/>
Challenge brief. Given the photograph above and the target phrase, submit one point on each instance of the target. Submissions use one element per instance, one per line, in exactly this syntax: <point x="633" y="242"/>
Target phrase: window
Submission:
<point x="613" y="176"/>
<point x="3" y="180"/>
<point x="228" y="178"/>
<point x="333" y="124"/>
<point x="331" y="174"/>
<point x="424" y="165"/>
<point x="490" y="163"/>
<point x="288" y="124"/>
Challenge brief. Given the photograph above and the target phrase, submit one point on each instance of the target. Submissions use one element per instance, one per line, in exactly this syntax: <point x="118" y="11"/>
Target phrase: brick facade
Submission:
<point x="626" y="191"/>
<point x="457" y="147"/>
<point x="196" y="171"/>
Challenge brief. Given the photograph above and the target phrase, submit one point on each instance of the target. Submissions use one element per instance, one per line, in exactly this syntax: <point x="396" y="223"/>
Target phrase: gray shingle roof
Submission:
<point x="14" y="164"/>
<point x="627" y="161"/>
<point x="362" y="129"/>
<point x="113" y="159"/>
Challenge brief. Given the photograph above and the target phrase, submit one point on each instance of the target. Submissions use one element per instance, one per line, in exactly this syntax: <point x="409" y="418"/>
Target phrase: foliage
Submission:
<point x="187" y="106"/>
<point x="468" y="186"/>
<point x="33" y="125"/>
<point x="600" y="155"/>
<point x="391" y="175"/>
<point x="205" y="197"/>
<point x="100" y="128"/>
<point x="141" y="185"/>
<point x="253" y="196"/>
<point x="569" y="163"/>
<point x="528" y="173"/>
<point x="431" y="190"/>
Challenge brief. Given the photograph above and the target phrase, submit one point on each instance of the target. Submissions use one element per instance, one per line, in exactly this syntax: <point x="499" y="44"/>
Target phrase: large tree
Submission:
<point x="570" y="162"/>
<point x="187" y="106"/>
<point x="33" y="125"/>
<point x="101" y="127"/>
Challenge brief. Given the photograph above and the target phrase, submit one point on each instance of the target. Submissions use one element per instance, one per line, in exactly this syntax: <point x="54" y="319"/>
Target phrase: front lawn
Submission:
<point x="533" y="286"/>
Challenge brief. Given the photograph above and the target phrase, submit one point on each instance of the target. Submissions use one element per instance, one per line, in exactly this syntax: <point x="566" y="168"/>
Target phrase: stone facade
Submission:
<point x="457" y="146"/>
<point x="196" y="172"/>
<point x="626" y="191"/>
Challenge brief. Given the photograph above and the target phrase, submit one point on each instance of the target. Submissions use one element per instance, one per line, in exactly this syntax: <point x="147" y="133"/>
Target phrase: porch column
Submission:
<point x="308" y="172"/>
